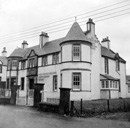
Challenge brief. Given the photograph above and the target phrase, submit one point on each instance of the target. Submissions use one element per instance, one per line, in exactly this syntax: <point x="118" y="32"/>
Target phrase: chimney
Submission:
<point x="24" y="45"/>
<point x="91" y="26"/>
<point x="43" y="38"/>
<point x="4" y="52"/>
<point x="106" y="42"/>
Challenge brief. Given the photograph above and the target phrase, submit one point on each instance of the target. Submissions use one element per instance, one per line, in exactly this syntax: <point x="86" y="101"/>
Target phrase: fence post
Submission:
<point x="124" y="105"/>
<point x="108" y="104"/>
<point x="81" y="108"/>
<point x="72" y="108"/>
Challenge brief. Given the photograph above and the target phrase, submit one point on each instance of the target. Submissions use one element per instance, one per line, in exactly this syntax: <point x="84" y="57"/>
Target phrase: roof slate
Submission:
<point x="109" y="53"/>
<point x="75" y="33"/>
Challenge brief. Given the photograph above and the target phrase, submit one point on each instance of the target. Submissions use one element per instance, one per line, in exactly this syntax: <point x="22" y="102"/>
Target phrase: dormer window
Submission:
<point x="31" y="62"/>
<point x="117" y="65"/>
<point x="76" y="52"/>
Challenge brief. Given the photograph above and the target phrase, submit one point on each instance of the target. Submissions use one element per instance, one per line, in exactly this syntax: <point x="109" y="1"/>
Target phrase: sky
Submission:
<point x="21" y="15"/>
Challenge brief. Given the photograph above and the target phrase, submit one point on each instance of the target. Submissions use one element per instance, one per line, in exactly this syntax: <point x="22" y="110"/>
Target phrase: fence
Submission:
<point x="100" y="106"/>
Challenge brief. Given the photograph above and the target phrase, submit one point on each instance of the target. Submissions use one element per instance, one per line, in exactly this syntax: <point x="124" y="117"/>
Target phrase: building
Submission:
<point x="77" y="61"/>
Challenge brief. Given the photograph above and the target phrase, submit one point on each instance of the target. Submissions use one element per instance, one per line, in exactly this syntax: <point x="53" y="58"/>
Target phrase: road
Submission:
<point x="28" y="117"/>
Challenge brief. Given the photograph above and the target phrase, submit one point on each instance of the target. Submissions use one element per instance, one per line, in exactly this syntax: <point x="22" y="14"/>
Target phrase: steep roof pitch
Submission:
<point x="75" y="33"/>
<point x="19" y="52"/>
<point x="110" y="54"/>
<point x="3" y="60"/>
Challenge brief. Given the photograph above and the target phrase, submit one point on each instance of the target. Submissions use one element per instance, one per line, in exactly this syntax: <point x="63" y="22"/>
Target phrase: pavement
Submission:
<point x="29" y="117"/>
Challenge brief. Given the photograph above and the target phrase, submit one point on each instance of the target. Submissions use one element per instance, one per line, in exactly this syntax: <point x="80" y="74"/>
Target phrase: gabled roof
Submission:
<point x="3" y="60"/>
<point x="75" y="33"/>
<point x="110" y="54"/>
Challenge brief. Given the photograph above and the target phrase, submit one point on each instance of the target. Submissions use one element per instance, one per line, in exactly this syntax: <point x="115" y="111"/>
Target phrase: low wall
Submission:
<point x="4" y="100"/>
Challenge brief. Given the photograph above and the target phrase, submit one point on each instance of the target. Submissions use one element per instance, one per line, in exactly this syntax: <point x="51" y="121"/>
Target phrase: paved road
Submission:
<point x="26" y="117"/>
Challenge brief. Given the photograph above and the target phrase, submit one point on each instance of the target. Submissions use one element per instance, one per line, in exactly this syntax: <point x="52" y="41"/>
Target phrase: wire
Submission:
<point x="49" y="30"/>
<point x="67" y="18"/>
<point x="68" y="27"/>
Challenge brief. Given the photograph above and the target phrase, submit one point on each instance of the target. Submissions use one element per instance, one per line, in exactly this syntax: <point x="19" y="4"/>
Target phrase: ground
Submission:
<point x="28" y="117"/>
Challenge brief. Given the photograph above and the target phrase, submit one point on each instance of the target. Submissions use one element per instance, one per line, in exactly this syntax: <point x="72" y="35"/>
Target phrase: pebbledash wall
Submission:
<point x="79" y="65"/>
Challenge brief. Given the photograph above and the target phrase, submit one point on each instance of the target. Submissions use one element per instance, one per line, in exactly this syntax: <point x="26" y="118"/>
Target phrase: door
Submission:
<point x="31" y="83"/>
<point x="37" y="93"/>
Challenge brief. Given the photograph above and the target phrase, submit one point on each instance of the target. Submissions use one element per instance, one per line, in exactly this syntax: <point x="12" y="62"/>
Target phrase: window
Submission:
<point x="107" y="84"/>
<point x="55" y="83"/>
<point x="9" y="64"/>
<point x="7" y="83"/>
<point x="106" y="66"/>
<point x="129" y="88"/>
<point x="0" y="68"/>
<point x="111" y="84"/>
<point x="22" y="83"/>
<point x="23" y="63"/>
<point x="44" y="60"/>
<point x="14" y="64"/>
<point x="117" y="65"/>
<point x="76" y="52"/>
<point x="55" y="58"/>
<point x="103" y="84"/>
<point x="31" y="62"/>
<point x="76" y="81"/>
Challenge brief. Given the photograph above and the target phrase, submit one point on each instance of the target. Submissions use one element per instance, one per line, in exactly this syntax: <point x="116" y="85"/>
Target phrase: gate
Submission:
<point x="37" y="93"/>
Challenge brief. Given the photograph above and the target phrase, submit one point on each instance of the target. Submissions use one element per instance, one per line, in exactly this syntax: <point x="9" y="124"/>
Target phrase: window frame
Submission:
<point x="14" y="64"/>
<point x="23" y="64"/>
<point x="55" y="58"/>
<point x="117" y="65"/>
<point x="45" y="60"/>
<point x="74" y="75"/>
<point x="31" y="62"/>
<point x="22" y="83"/>
<point x="76" y="52"/>
<point x="0" y="68"/>
<point x="106" y="65"/>
<point x="55" y="83"/>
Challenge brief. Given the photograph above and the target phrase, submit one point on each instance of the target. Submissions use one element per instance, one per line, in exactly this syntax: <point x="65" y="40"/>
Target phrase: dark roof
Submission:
<point x="19" y="52"/>
<point x="75" y="33"/>
<point x="3" y="60"/>
<point x="108" y="77"/>
<point x="110" y="54"/>
<point x="49" y="47"/>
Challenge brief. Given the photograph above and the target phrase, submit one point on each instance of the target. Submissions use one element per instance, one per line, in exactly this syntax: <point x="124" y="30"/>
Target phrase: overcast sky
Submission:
<point x="19" y="15"/>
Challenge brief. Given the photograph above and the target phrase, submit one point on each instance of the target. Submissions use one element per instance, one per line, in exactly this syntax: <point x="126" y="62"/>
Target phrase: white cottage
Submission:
<point x="90" y="69"/>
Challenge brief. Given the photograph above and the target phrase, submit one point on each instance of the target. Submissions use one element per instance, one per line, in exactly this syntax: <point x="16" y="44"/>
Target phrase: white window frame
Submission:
<point x="55" y="83"/>
<point x="76" y="81"/>
<point x="76" y="52"/>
